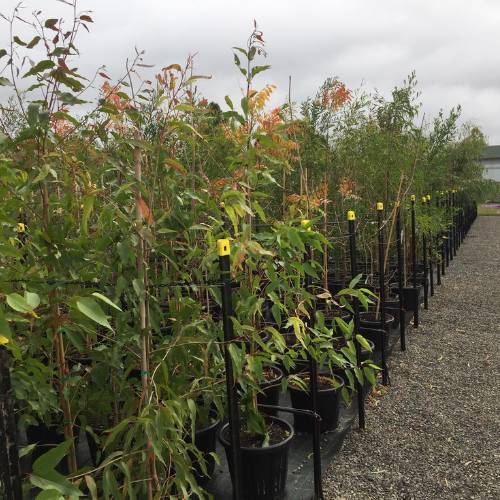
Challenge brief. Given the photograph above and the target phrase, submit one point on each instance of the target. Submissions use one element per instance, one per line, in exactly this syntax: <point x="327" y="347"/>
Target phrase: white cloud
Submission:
<point x="452" y="44"/>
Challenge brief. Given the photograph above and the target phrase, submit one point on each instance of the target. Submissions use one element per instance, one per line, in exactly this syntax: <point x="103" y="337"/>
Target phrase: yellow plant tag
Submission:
<point x="223" y="248"/>
<point x="380" y="206"/>
<point x="351" y="215"/>
<point x="21" y="228"/>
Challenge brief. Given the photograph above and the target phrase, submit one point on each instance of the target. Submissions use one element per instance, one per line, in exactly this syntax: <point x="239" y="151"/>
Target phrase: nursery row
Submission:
<point x="173" y="268"/>
<point x="235" y="354"/>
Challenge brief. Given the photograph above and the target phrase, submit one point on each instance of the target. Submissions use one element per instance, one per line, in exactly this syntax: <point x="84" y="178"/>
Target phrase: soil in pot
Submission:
<point x="370" y="319"/>
<point x="271" y="388"/>
<point x="264" y="469"/>
<point x="328" y="403"/>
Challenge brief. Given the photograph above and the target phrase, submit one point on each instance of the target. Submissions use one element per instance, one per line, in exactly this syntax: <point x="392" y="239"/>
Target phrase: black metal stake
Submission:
<point x="224" y="251"/>
<point x="10" y="470"/>
<point x="424" y="262"/>
<point x="381" y="272"/>
<point x="414" y="258"/>
<point x="439" y="246"/>
<point x="431" y="257"/>
<point x="455" y="224"/>
<point x="431" y="266"/>
<point x="351" y="218"/>
<point x="399" y="249"/>
<point x="451" y="243"/>
<point x="313" y="387"/>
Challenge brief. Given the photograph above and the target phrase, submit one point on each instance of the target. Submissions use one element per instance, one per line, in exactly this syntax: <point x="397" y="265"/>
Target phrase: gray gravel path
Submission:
<point x="434" y="433"/>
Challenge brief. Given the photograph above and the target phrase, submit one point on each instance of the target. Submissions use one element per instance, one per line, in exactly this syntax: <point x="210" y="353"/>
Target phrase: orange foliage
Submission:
<point x="336" y="95"/>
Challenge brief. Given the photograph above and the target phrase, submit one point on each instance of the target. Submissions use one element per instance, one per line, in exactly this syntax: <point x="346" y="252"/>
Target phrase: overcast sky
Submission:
<point x="453" y="45"/>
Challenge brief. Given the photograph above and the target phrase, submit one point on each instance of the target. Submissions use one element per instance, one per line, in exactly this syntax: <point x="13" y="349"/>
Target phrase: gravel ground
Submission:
<point x="434" y="433"/>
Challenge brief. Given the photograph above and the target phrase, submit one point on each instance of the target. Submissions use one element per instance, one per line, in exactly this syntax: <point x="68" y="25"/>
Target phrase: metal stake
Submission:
<point x="381" y="272"/>
<point x="399" y="247"/>
<point x="414" y="258"/>
<point x="224" y="252"/>
<point x="351" y="218"/>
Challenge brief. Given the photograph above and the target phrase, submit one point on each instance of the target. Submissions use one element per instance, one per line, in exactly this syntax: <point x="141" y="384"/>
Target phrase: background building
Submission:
<point x="491" y="162"/>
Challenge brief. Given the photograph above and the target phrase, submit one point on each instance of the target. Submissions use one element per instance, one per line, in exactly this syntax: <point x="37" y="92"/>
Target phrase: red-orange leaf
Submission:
<point x="145" y="211"/>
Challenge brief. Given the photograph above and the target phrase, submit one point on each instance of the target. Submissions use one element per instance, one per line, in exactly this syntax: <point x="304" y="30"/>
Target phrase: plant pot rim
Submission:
<point x="209" y="427"/>
<point x="325" y="390"/>
<point x="266" y="383"/>
<point x="226" y="443"/>
<point x="388" y="317"/>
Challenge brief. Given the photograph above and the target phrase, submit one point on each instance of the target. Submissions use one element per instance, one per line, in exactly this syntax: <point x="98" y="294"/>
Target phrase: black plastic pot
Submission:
<point x="375" y="335"/>
<point x="205" y="440"/>
<point x="410" y="295"/>
<point x="328" y="403"/>
<point x="392" y="307"/>
<point x="411" y="298"/>
<point x="46" y="438"/>
<point x="264" y="470"/>
<point x="93" y="445"/>
<point x="367" y="319"/>
<point x="270" y="391"/>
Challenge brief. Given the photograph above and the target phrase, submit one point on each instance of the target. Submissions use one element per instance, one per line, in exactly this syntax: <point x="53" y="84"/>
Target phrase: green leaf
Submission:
<point x="33" y="42"/>
<point x="51" y="24"/>
<point x="49" y="460"/>
<point x="185" y="107"/>
<point x="19" y="303"/>
<point x="32" y="299"/>
<point x="49" y="495"/>
<point x="355" y="281"/>
<point x="40" y="67"/>
<point x="55" y="481"/>
<point x="370" y="375"/>
<point x="89" y="480"/>
<point x="5" y="82"/>
<point x="229" y="102"/>
<point x="258" y="69"/>
<point x="3" y="53"/>
<point x="363" y="342"/>
<point x="106" y="300"/>
<point x="90" y="308"/>
<point x="17" y="40"/>
<point x="69" y="98"/>
<point x="88" y="206"/>
<point x="237" y="358"/>
<point x="259" y="211"/>
<point x="26" y="450"/>
<point x="5" y="328"/>
<point x="244" y="105"/>
<point x="10" y="251"/>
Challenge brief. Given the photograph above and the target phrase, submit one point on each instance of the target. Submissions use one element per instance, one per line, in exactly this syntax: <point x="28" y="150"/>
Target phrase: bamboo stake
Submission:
<point x="142" y="309"/>
<point x="59" y="351"/>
